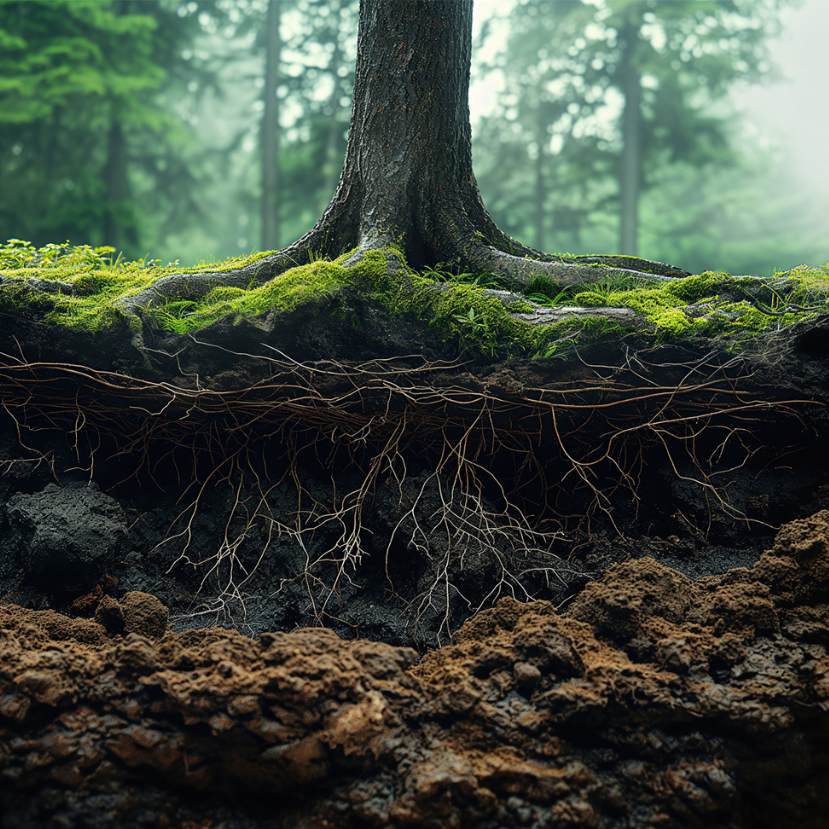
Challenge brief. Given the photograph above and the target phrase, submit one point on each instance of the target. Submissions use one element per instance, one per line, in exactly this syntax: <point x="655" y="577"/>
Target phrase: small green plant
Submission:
<point x="543" y="289"/>
<point x="614" y="285"/>
<point x="475" y="328"/>
<point x="16" y="253"/>
<point x="541" y="284"/>
<point x="473" y="322"/>
<point x="482" y="280"/>
<point x="173" y="316"/>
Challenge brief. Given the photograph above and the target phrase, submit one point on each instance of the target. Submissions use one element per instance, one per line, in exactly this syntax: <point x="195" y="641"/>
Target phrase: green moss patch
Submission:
<point x="712" y="304"/>
<point x="283" y="293"/>
<point x="461" y="311"/>
<point x="98" y="281"/>
<point x="715" y="304"/>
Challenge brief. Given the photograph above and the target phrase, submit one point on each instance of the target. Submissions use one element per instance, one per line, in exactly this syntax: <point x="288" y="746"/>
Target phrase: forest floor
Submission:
<point x="312" y="569"/>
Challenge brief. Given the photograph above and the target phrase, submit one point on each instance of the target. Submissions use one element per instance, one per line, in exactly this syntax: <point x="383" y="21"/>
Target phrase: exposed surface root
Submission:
<point x="178" y="286"/>
<point x="517" y="271"/>
<point x="512" y="264"/>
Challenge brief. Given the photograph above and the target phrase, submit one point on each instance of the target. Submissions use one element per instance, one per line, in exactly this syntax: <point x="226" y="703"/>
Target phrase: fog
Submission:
<point x="794" y="112"/>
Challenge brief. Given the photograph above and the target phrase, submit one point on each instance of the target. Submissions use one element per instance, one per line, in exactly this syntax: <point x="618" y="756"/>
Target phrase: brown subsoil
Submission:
<point x="654" y="700"/>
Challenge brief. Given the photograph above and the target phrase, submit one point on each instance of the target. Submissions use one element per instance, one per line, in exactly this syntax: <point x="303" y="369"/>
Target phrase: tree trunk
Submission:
<point x="270" y="129"/>
<point x="631" y="164"/>
<point x="407" y="184"/>
<point x="407" y="179"/>
<point x="409" y="156"/>
<point x="540" y="199"/>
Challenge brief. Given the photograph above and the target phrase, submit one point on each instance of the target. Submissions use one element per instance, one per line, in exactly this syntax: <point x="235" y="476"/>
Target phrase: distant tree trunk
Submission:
<point x="334" y="148"/>
<point x="117" y="229"/>
<point x="540" y="195"/>
<point x="269" y="135"/>
<point x="118" y="222"/>
<point x="631" y="163"/>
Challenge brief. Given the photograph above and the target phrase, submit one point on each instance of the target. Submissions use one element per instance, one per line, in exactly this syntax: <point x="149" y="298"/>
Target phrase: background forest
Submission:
<point x="199" y="130"/>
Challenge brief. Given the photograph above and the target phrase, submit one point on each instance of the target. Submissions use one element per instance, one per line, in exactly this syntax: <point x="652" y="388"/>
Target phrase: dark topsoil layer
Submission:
<point x="290" y="474"/>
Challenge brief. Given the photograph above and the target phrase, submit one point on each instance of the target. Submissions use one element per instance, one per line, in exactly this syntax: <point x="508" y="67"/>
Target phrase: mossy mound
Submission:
<point x="85" y="288"/>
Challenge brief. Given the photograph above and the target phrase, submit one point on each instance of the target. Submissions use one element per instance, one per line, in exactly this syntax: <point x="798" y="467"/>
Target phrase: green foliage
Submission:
<point x="84" y="125"/>
<point x="16" y="253"/>
<point x="543" y="288"/>
<point x="58" y="53"/>
<point x="484" y="280"/>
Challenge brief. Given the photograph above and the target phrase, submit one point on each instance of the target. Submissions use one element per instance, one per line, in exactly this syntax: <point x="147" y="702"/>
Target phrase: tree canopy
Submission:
<point x="81" y="102"/>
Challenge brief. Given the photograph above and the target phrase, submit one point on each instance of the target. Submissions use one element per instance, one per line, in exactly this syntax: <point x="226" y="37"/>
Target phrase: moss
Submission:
<point x="719" y="304"/>
<point x="224" y="294"/>
<point x="696" y="288"/>
<point x="589" y="299"/>
<point x="19" y="298"/>
<point x="99" y="282"/>
<point x="282" y="293"/>
<point x="456" y="310"/>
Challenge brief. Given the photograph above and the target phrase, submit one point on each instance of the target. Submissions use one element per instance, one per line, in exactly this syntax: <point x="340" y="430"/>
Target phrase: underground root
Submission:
<point x="509" y="474"/>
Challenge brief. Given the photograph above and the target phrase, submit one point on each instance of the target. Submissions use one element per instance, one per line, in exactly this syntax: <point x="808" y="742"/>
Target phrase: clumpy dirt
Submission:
<point x="654" y="700"/>
<point x="279" y="575"/>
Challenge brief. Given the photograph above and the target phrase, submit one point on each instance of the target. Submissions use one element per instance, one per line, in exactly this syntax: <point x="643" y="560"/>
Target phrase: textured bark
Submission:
<point x="407" y="174"/>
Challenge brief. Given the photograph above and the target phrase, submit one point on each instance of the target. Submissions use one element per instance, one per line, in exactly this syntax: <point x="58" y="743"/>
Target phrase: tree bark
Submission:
<point x="270" y="129"/>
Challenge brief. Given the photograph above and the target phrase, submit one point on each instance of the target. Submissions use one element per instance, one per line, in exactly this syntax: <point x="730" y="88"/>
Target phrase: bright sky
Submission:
<point x="796" y="110"/>
<point x="482" y="95"/>
<point x="793" y="112"/>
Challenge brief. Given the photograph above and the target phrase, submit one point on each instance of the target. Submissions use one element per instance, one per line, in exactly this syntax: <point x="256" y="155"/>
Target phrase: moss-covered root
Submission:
<point x="318" y="242"/>
<point x="198" y="285"/>
<point x="46" y="286"/>
<point x="518" y="272"/>
<point x="82" y="290"/>
<point x="516" y="265"/>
